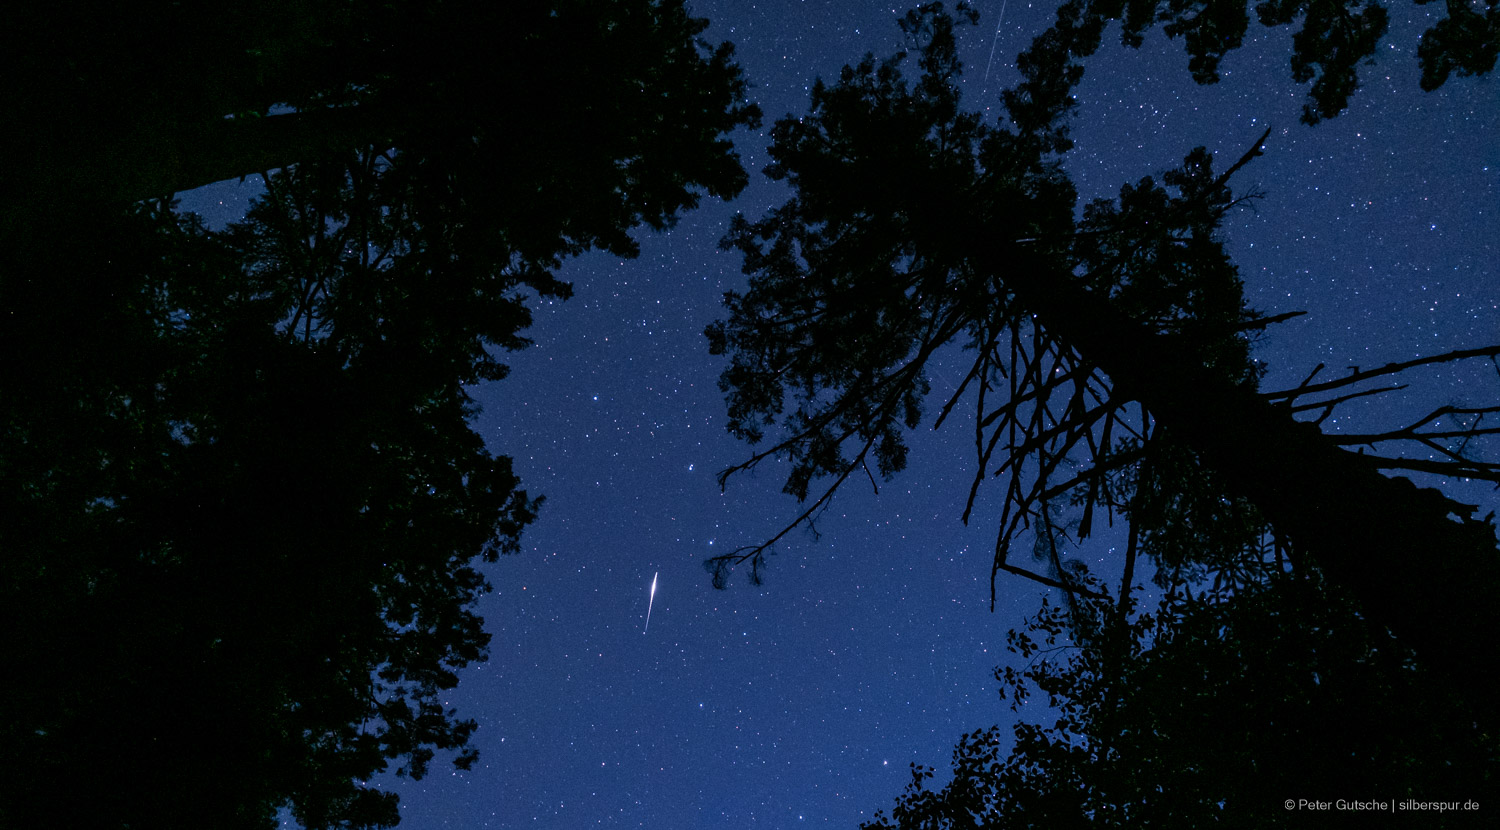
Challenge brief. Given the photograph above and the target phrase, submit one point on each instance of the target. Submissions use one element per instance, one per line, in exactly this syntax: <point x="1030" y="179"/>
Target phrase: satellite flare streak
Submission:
<point x="995" y="42"/>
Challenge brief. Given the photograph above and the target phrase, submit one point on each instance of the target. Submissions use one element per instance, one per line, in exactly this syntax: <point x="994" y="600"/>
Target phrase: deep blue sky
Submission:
<point x="802" y="702"/>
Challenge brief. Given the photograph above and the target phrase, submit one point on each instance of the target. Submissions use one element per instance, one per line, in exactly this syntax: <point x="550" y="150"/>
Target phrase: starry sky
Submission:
<point x="803" y="701"/>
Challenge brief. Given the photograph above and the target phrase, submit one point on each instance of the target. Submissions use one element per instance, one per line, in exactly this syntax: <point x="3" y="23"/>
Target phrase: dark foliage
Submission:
<point x="1307" y="642"/>
<point x="859" y="280"/>
<point x="1333" y="38"/>
<point x="1467" y="41"/>
<point x="1210" y="713"/>
<point x="129" y="102"/>
<point x="243" y="503"/>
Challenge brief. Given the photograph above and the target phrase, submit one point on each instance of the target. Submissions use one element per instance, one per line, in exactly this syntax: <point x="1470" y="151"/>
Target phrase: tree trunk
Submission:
<point x="156" y="157"/>
<point x="1418" y="562"/>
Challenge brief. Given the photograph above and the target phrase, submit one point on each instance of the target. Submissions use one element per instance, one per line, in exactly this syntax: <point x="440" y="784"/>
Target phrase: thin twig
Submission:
<point x="1390" y="368"/>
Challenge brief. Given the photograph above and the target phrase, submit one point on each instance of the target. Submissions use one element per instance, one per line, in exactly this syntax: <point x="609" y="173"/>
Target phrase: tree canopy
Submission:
<point x="1333" y="38"/>
<point x="1109" y="375"/>
<point x="244" y="504"/>
<point x="1210" y="712"/>
<point x="141" y="101"/>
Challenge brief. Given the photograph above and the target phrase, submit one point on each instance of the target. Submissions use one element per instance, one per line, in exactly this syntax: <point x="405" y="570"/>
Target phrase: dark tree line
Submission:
<point x="243" y="504"/>
<point x="1110" y="376"/>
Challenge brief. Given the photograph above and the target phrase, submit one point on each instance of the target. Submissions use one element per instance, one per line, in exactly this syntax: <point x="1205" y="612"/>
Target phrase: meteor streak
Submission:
<point x="650" y="602"/>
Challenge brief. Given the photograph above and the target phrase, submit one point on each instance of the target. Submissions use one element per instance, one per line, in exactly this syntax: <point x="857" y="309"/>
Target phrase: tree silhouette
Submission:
<point x="243" y="500"/>
<point x="139" y="102"/>
<point x="1211" y="711"/>
<point x="1333" y="38"/>
<point x="914" y="226"/>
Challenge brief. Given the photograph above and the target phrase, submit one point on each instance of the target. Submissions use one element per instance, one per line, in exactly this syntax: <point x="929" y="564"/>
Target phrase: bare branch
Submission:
<point x="1408" y="435"/>
<point x="1250" y="155"/>
<point x="1328" y="405"/>
<point x="1048" y="581"/>
<point x="979" y="363"/>
<point x="751" y="553"/>
<point x="1266" y="322"/>
<point x="1093" y="474"/>
<point x="1389" y="369"/>
<point x="1451" y="469"/>
<point x="1413" y="432"/>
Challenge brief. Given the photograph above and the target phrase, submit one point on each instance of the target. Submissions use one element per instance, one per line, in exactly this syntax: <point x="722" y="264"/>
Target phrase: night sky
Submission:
<point x="803" y="701"/>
